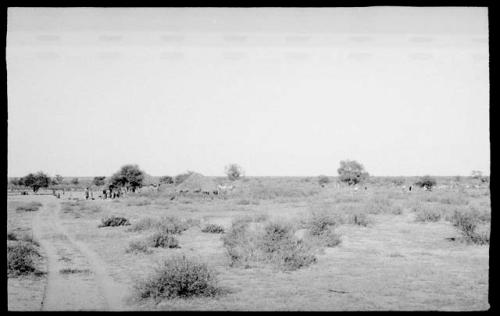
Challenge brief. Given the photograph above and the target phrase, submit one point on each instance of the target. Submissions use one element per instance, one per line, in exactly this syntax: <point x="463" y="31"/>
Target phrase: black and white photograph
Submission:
<point x="248" y="158"/>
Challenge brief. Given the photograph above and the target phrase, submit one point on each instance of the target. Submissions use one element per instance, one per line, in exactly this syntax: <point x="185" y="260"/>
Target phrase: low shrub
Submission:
<point x="322" y="180"/>
<point x="163" y="239"/>
<point x="11" y="236"/>
<point x="178" y="277"/>
<point x="20" y="258"/>
<point x="320" y="222"/>
<point x="168" y="224"/>
<point x="213" y="228"/>
<point x="138" y="246"/>
<point x="467" y="222"/>
<point x="428" y="214"/>
<point x="114" y="221"/>
<point x="282" y="248"/>
<point x="29" y="207"/>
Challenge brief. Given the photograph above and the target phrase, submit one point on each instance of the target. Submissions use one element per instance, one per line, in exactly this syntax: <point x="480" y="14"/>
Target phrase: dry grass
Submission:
<point x="392" y="263"/>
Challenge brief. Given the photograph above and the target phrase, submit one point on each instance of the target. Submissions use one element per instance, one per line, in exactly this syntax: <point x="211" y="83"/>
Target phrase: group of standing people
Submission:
<point x="109" y="193"/>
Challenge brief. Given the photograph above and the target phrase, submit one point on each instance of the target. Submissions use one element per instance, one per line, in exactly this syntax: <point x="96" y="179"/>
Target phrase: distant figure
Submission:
<point x="172" y="198"/>
<point x="86" y="193"/>
<point x="366" y="188"/>
<point x="104" y="195"/>
<point x="409" y="188"/>
<point x="215" y="192"/>
<point x="58" y="195"/>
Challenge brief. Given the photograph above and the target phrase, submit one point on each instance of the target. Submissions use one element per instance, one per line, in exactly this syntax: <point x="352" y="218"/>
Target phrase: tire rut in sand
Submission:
<point x="77" y="277"/>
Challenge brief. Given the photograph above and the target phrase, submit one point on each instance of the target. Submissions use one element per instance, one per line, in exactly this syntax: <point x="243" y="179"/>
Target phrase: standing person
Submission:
<point x="104" y="194"/>
<point x="86" y="193"/>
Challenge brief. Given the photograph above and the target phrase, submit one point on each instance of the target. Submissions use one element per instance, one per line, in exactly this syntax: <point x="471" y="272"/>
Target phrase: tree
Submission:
<point x="426" y="181"/>
<point x="15" y="181"/>
<point x="75" y="181"/>
<point x="233" y="171"/>
<point x="99" y="181"/>
<point x="58" y="179"/>
<point x="35" y="181"/>
<point x="166" y="180"/>
<point x="476" y="174"/>
<point x="129" y="176"/>
<point x="352" y="172"/>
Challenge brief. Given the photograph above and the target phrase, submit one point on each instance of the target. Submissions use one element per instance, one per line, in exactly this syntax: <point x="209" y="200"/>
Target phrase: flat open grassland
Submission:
<point x="398" y="250"/>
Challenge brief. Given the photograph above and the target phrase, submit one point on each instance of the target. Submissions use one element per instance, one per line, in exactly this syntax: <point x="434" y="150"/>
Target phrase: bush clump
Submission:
<point x="213" y="228"/>
<point x="20" y="258"/>
<point x="164" y="239"/>
<point x="114" y="221"/>
<point x="178" y="277"/>
<point x="319" y="222"/>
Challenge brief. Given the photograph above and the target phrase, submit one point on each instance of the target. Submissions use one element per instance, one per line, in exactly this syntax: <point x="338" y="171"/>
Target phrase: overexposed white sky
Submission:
<point x="280" y="91"/>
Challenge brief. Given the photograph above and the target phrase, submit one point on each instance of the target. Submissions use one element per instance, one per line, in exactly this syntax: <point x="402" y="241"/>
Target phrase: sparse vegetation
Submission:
<point x="167" y="224"/>
<point x="29" y="207"/>
<point x="178" y="277"/>
<point x="138" y="246"/>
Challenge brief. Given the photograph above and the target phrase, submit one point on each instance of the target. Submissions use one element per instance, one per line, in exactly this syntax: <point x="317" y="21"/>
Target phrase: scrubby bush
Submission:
<point x="178" y="277"/>
<point x="29" y="207"/>
<point x="283" y="248"/>
<point x="114" y="221"/>
<point x="138" y="246"/>
<point x="472" y="225"/>
<point x="320" y="222"/>
<point x="164" y="240"/>
<point x="20" y="258"/>
<point x="322" y="180"/>
<point x="168" y="224"/>
<point x="11" y="236"/>
<point x="428" y="214"/>
<point x="213" y="228"/>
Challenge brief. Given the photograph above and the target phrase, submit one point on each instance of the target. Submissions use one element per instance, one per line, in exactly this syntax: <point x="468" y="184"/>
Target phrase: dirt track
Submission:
<point x="88" y="286"/>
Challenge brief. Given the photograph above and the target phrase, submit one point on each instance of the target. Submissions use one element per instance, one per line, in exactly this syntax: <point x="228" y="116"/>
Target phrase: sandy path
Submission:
<point x="88" y="286"/>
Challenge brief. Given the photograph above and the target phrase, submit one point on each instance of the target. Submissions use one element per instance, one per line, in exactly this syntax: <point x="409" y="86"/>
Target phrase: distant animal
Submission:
<point x="215" y="192"/>
<point x="172" y="198"/>
<point x="206" y="192"/>
<point x="197" y="191"/>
